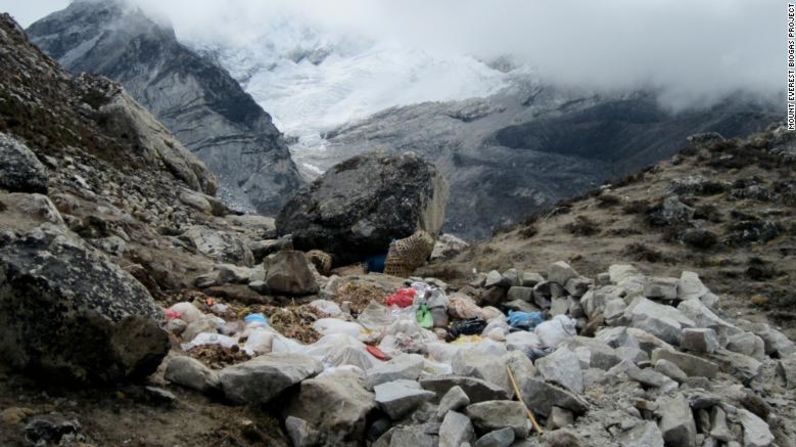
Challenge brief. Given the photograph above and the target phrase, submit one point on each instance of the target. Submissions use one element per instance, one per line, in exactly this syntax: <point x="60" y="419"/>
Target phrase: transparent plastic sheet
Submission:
<point x="210" y="338"/>
<point x="328" y="307"/>
<point x="375" y="317"/>
<point x="463" y="307"/>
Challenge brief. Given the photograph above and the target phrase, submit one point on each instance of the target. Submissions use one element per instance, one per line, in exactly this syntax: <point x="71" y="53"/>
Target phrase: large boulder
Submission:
<point x="20" y="170"/>
<point x="262" y="378"/>
<point x="287" y="272"/>
<point x="220" y="246"/>
<point x="362" y="204"/>
<point x="68" y="312"/>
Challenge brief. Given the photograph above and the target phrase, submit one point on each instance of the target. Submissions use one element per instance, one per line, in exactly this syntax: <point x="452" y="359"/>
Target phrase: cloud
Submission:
<point x="694" y="52"/>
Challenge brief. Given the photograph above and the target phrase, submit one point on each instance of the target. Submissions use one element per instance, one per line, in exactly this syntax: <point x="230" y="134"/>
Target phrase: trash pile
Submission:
<point x="622" y="359"/>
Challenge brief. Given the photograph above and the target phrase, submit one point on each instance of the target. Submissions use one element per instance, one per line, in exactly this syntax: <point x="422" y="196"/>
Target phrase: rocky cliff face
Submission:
<point x="533" y="145"/>
<point x="197" y="100"/>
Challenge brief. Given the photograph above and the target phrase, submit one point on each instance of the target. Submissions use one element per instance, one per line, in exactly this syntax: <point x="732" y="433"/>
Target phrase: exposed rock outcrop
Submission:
<point x="359" y="206"/>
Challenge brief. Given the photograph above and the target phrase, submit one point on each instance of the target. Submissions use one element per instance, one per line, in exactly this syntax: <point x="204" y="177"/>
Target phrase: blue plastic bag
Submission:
<point x="257" y="319"/>
<point x="524" y="320"/>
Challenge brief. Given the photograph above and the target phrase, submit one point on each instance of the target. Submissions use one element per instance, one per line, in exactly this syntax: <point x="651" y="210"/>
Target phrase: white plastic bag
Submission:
<point x="210" y="338"/>
<point x="328" y="307"/>
<point x="552" y="332"/>
<point x="260" y="342"/>
<point x="327" y="326"/>
<point x="375" y="317"/>
<point x="188" y="312"/>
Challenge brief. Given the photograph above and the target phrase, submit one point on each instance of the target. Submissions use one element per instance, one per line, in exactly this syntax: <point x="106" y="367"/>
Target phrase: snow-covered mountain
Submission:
<point x="312" y="80"/>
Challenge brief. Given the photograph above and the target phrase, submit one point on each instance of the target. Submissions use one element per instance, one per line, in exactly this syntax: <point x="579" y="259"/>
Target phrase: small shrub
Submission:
<point x="642" y="253"/>
<point x="582" y="226"/>
<point x="623" y="232"/>
<point x="3" y="207"/>
<point x="708" y="212"/>
<point x="528" y="232"/>
<point x="699" y="238"/>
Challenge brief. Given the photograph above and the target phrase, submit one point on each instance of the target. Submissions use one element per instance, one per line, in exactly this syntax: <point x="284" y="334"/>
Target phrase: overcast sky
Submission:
<point x="695" y="50"/>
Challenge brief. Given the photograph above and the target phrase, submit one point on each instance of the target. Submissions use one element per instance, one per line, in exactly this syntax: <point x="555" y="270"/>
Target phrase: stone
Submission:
<point x="671" y="370"/>
<point x="563" y="368"/>
<point x="456" y="429"/>
<point x="646" y="341"/>
<point x="412" y="435"/>
<point x="262" y="248"/>
<point x="448" y="246"/>
<point x="520" y="293"/>
<point x="634" y="355"/>
<point x="473" y="363"/>
<point x="661" y="288"/>
<point x="220" y="246"/>
<point x="786" y="368"/>
<point x="541" y="397"/>
<point x="677" y="423"/>
<point x="406" y="366"/>
<point x="651" y="378"/>
<point x="776" y="342"/>
<point x="67" y="311"/>
<point x="262" y="378"/>
<point x="559" y="306"/>
<point x="560" y="272"/>
<point x="643" y="434"/>
<point x="191" y="373"/>
<point x="493" y="279"/>
<point x="33" y="205"/>
<point x="497" y="414"/>
<point x="690" y="364"/>
<point x="747" y="343"/>
<point x="718" y="425"/>
<point x="756" y="432"/>
<point x="336" y="406"/>
<point x="477" y="390"/>
<point x="699" y="340"/>
<point x="665" y="322"/>
<point x="357" y="207"/>
<point x="560" y="418"/>
<point x="530" y="279"/>
<point x="287" y="272"/>
<point x="522" y="341"/>
<point x="453" y="400"/>
<point x="20" y="170"/>
<point x="578" y="286"/>
<point x="300" y="432"/>
<point x="400" y="397"/>
<point x="702" y="316"/>
<point x="511" y="278"/>
<point x="497" y="438"/>
<point x="51" y="429"/>
<point x="518" y="305"/>
<point x="594" y="353"/>
<point x="690" y="287"/>
<point x="742" y="366"/>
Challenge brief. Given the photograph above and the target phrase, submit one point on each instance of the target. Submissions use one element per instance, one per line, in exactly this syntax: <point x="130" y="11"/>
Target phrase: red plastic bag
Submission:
<point x="376" y="352"/>
<point x="401" y="298"/>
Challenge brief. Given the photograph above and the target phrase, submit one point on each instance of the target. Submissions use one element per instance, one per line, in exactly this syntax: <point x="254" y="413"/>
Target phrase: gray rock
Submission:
<point x="578" y="286"/>
<point x="671" y="370"/>
<point x="756" y="432"/>
<point x="454" y="399"/>
<point x="520" y="293"/>
<point x="699" y="340"/>
<point x="497" y="438"/>
<point x="412" y="435"/>
<point x="220" y="246"/>
<point x="477" y="390"/>
<point x="690" y="287"/>
<point x="448" y="246"/>
<point x="560" y="418"/>
<point x="300" y="432"/>
<point x="718" y="425"/>
<point x="400" y="397"/>
<point x="522" y="341"/>
<point x="661" y="288"/>
<point x="541" y="397"/>
<point x="20" y="170"/>
<point x="336" y="406"/>
<point x="651" y="378"/>
<point x="512" y="278"/>
<point x="530" y="279"/>
<point x="262" y="378"/>
<point x="747" y="343"/>
<point x="34" y="205"/>
<point x="497" y="414"/>
<point x="456" y="429"/>
<point x="518" y="305"/>
<point x="702" y="316"/>
<point x="742" y="366"/>
<point x="560" y="272"/>
<point x="66" y="309"/>
<point x="563" y="368"/>
<point x="665" y="322"/>
<point x="471" y="363"/>
<point x="191" y="373"/>
<point x="635" y="355"/>
<point x="644" y="434"/>
<point x="786" y="368"/>
<point x="407" y="366"/>
<point x="646" y="341"/>
<point x="593" y="352"/>
<point x="690" y="364"/>
<point x="776" y="342"/>
<point x="359" y="206"/>
<point x="493" y="279"/>
<point x="287" y="272"/>
<point x="677" y="423"/>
